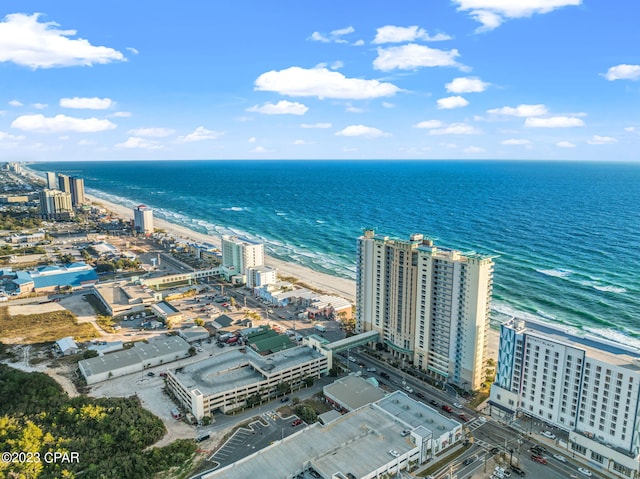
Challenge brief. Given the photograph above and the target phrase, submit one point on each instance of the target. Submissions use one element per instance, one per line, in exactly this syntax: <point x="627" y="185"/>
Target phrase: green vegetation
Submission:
<point x="121" y="264"/>
<point x="443" y="462"/>
<point x="9" y="221"/>
<point x="43" y="327"/>
<point x="109" y="434"/>
<point x="106" y="323"/>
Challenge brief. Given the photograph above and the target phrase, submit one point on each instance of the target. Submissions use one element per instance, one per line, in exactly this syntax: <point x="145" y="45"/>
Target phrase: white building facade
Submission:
<point x="430" y="304"/>
<point x="239" y="254"/>
<point x="586" y="386"/>
<point x="143" y="219"/>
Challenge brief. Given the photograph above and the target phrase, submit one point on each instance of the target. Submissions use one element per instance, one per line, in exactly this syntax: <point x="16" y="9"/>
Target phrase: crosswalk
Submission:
<point x="475" y="424"/>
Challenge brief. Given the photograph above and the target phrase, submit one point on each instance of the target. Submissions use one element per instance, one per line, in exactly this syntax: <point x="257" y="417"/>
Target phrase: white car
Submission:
<point x="371" y="370"/>
<point x="560" y="458"/>
<point x="408" y="389"/>
<point x="352" y="359"/>
<point x="457" y="405"/>
<point x="584" y="471"/>
<point x="548" y="434"/>
<point x="393" y="453"/>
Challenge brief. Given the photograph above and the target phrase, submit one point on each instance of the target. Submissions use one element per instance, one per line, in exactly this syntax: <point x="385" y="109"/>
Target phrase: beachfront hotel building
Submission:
<point x="52" y="180"/>
<point x="240" y="254"/>
<point x="77" y="191"/>
<point x="143" y="219"/>
<point x="429" y="304"/>
<point x="55" y="205"/>
<point x="586" y="386"/>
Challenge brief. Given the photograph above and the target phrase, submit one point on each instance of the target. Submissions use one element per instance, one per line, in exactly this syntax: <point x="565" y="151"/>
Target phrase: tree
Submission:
<point x="199" y="322"/>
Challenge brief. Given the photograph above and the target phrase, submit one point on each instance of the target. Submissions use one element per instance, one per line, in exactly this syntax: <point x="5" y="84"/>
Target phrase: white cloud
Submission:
<point x="322" y="83"/>
<point x="491" y="13"/>
<point x="319" y="37"/>
<point x="26" y="42"/>
<point x="623" y="72"/>
<point x="86" y="103"/>
<point x="630" y="128"/>
<point x="455" y="129"/>
<point x="259" y="149"/>
<point x="283" y="107"/>
<point x="466" y="85"/>
<point x="429" y="124"/>
<point x="200" y="134"/>
<point x="39" y="106"/>
<point x="353" y="109"/>
<point x="252" y="139"/>
<point x="59" y="123"/>
<point x="316" y="125"/>
<point x="451" y="102"/>
<point x="520" y="110"/>
<point x="133" y="50"/>
<point x="474" y="149"/>
<point x="152" y="132"/>
<point x="393" y="34"/>
<point x="601" y="140"/>
<point x="334" y="36"/>
<point x="387" y="104"/>
<point x="120" y="114"/>
<point x="86" y="143"/>
<point x="358" y="43"/>
<point x="7" y="136"/>
<point x="553" y="122"/>
<point x="343" y="31"/>
<point x="15" y="103"/>
<point x="565" y="144"/>
<point x="412" y="56"/>
<point x="517" y="142"/>
<point x="301" y="142"/>
<point x="142" y="143"/>
<point x="361" y="130"/>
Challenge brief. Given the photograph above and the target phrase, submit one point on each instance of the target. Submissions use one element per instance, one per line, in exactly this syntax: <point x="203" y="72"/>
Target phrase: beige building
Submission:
<point x="123" y="297"/>
<point x="429" y="304"/>
<point x="55" y="204"/>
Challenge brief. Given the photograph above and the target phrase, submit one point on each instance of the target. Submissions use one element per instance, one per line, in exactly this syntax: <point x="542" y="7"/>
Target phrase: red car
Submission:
<point x="447" y="408"/>
<point x="463" y="418"/>
<point x="297" y="422"/>
<point x="539" y="459"/>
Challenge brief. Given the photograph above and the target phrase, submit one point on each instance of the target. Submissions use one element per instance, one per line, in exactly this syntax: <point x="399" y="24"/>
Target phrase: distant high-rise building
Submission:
<point x="64" y="183"/>
<point x="430" y="304"/>
<point x="55" y="204"/>
<point x="77" y="191"/>
<point x="143" y="219"/>
<point x="239" y="254"/>
<point x="52" y="180"/>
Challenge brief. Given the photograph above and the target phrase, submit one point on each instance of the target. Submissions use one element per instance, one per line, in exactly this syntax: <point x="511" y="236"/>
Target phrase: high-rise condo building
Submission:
<point x="586" y="386"/>
<point x="55" y="204"/>
<point x="238" y="254"/>
<point x="429" y="304"/>
<point x="143" y="219"/>
<point x="77" y="191"/>
<point x="64" y="183"/>
<point x="52" y="180"/>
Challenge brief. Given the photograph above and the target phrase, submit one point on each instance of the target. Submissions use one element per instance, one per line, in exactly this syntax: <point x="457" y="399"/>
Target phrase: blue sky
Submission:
<point x="430" y="79"/>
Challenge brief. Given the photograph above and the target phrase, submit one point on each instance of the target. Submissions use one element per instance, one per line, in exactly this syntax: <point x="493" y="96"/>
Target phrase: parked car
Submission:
<point x="297" y="422"/>
<point x="371" y="370"/>
<point x="151" y="374"/>
<point x="420" y="395"/>
<point x="518" y="471"/>
<point x="548" y="434"/>
<point x="539" y="449"/>
<point x="408" y="389"/>
<point x="539" y="459"/>
<point x="584" y="471"/>
<point x="384" y="375"/>
<point x="351" y="359"/>
<point x="560" y="458"/>
<point x="457" y="405"/>
<point x="393" y="453"/>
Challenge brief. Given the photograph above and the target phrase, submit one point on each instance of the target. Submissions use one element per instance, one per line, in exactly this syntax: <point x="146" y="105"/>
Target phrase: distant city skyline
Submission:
<point x="445" y="79"/>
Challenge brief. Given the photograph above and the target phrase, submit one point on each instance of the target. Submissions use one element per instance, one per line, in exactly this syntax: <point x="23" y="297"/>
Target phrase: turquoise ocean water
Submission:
<point x="566" y="233"/>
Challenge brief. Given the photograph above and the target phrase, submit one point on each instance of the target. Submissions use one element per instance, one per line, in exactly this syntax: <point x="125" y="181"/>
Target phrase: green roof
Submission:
<point x="273" y="344"/>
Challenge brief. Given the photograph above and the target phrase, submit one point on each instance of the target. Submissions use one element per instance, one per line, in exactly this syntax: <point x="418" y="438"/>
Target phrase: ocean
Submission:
<point x="565" y="234"/>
